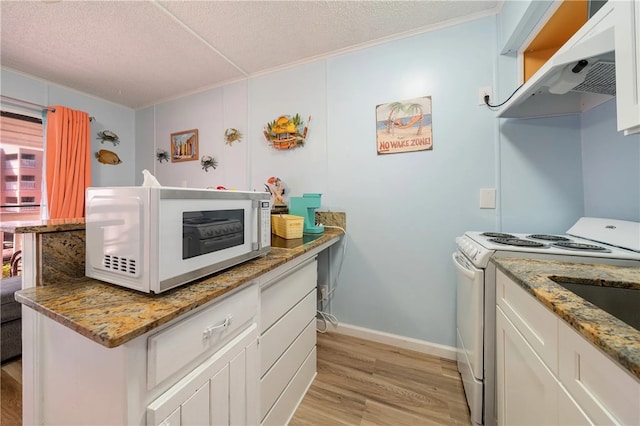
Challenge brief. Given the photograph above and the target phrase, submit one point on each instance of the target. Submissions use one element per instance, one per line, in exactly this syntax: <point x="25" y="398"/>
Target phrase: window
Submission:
<point x="21" y="170"/>
<point x="28" y="160"/>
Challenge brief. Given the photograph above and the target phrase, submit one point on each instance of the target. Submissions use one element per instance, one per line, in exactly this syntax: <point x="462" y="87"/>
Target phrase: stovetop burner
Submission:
<point x="581" y="247"/>
<point x="497" y="235"/>
<point x="519" y="242"/>
<point x="546" y="237"/>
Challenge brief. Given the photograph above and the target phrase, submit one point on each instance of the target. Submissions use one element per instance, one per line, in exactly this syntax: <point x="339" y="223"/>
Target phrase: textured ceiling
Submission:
<point x="137" y="53"/>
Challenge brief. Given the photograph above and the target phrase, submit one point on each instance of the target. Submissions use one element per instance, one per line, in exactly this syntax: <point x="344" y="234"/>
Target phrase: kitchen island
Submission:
<point x="112" y="315"/>
<point x="103" y="354"/>
<point x="561" y="359"/>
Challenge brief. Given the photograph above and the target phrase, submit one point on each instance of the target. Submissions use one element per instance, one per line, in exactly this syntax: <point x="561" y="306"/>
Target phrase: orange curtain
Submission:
<point x="68" y="162"/>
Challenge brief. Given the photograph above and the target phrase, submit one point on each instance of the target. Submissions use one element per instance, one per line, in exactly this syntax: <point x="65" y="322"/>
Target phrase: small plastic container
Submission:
<point x="287" y="226"/>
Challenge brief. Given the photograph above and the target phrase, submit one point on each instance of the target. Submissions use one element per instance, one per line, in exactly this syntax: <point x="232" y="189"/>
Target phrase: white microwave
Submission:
<point x="154" y="239"/>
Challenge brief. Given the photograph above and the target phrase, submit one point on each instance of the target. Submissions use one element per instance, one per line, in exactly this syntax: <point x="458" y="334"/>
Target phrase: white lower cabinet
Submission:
<point x="573" y="384"/>
<point x="287" y="340"/>
<point x="200" y="369"/>
<point x="216" y="392"/>
<point x="246" y="358"/>
<point x="609" y="394"/>
<point x="527" y="390"/>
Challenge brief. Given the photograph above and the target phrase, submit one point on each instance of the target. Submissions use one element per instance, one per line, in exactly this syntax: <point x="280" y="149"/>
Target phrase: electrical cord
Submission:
<point x="325" y="316"/>
<point x="486" y="99"/>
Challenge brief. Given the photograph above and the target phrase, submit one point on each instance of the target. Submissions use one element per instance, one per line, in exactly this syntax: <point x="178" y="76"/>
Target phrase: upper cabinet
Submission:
<point x="595" y="64"/>
<point x="627" y="43"/>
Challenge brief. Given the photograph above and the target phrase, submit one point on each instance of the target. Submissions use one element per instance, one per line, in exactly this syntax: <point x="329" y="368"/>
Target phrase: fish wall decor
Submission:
<point x="105" y="156"/>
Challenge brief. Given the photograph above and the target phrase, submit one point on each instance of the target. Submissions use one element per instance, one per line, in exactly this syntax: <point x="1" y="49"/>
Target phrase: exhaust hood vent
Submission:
<point x="579" y="76"/>
<point x="600" y="79"/>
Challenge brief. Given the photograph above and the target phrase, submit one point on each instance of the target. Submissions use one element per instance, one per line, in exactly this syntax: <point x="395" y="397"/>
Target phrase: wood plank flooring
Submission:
<point x="11" y="393"/>
<point x="359" y="382"/>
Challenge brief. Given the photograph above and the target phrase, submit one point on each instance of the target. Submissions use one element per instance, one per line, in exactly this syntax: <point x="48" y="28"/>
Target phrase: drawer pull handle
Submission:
<point x="209" y="331"/>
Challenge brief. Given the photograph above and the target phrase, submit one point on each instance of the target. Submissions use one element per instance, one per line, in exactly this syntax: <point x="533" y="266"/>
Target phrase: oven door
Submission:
<point x="470" y="337"/>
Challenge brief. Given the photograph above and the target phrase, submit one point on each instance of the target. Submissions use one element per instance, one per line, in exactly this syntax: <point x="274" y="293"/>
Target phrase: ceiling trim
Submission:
<point x="383" y="40"/>
<point x="199" y="37"/>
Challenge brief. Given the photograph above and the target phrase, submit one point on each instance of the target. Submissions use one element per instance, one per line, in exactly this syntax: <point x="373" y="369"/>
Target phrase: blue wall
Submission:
<point x="405" y="210"/>
<point x="610" y="164"/>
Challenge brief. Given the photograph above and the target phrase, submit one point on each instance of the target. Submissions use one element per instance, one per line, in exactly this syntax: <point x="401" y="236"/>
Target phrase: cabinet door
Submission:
<point x="237" y="390"/>
<point x="217" y="392"/>
<point x="219" y="385"/>
<point x="627" y="42"/>
<point x="173" y="419"/>
<point x="527" y="390"/>
<point x="569" y="412"/>
<point x="607" y="393"/>
<point x="195" y="410"/>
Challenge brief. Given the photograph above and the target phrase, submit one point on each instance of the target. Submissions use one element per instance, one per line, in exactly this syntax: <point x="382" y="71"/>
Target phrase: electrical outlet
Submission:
<point x="482" y="92"/>
<point x="324" y="292"/>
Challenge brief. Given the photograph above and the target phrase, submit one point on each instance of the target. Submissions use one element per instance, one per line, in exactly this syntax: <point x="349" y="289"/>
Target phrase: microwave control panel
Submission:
<point x="265" y="226"/>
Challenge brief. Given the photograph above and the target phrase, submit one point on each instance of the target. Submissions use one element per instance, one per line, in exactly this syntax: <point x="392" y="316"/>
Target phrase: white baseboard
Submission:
<point x="409" y="343"/>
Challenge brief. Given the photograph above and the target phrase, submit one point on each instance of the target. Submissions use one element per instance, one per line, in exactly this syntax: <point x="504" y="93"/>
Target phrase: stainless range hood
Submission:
<point x="579" y="76"/>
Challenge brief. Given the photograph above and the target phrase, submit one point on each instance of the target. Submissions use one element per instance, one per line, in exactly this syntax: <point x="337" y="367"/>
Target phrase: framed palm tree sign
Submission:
<point x="404" y="126"/>
<point x="184" y="146"/>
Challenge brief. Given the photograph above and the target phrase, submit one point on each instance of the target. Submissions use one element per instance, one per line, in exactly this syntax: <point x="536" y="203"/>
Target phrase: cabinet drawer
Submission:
<point x="606" y="393"/>
<point x="284" y="293"/>
<point x="537" y="324"/>
<point x="286" y="405"/>
<point x="277" y="378"/>
<point x="202" y="333"/>
<point x="278" y="338"/>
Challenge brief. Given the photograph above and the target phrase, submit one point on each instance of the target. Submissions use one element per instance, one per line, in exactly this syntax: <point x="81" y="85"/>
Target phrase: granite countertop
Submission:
<point x="42" y="226"/>
<point x="614" y="337"/>
<point x="113" y="315"/>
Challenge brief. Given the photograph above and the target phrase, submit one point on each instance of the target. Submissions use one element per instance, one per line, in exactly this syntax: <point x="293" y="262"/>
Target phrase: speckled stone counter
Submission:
<point x="59" y="248"/>
<point x="614" y="337"/>
<point x="112" y="315"/>
<point x="43" y="226"/>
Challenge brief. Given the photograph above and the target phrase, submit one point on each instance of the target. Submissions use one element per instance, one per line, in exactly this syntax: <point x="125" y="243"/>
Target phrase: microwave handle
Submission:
<point x="260" y="212"/>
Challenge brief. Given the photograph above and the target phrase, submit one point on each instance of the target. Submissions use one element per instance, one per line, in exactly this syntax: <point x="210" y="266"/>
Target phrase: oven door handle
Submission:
<point x="462" y="268"/>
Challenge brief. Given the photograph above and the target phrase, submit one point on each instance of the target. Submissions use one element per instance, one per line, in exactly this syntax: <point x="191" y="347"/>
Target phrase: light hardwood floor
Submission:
<point x="11" y="393"/>
<point x="359" y="382"/>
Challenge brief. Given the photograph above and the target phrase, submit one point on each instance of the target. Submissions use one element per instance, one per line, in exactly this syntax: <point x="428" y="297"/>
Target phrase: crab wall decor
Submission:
<point x="162" y="155"/>
<point x="232" y="135"/>
<point x="287" y="132"/>
<point x="109" y="136"/>
<point x="208" y="161"/>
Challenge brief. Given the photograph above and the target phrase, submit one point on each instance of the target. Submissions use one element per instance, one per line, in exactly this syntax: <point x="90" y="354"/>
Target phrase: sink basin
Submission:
<point x="622" y="303"/>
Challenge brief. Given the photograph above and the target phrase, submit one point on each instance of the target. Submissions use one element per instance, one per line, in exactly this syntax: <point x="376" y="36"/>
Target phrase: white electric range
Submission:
<point x="590" y="240"/>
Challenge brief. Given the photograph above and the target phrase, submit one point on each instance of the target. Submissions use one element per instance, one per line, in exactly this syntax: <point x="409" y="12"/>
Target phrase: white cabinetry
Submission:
<point x="627" y="42"/>
<point x="202" y="368"/>
<point x="217" y="391"/>
<point x="547" y="373"/>
<point x="287" y="340"/>
<point x="527" y="390"/>
<point x="609" y="394"/>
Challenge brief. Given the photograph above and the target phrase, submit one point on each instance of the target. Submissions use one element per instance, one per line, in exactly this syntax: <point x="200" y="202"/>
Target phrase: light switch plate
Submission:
<point x="487" y="198"/>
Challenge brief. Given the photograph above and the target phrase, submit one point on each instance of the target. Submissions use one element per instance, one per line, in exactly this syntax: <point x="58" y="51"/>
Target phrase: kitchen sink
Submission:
<point x="622" y="303"/>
